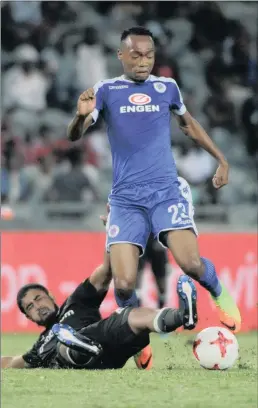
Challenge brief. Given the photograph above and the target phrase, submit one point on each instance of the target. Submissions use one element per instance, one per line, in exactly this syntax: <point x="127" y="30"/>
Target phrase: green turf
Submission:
<point x="176" y="381"/>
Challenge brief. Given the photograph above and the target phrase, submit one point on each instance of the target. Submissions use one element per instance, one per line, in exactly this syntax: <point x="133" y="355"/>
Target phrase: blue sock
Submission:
<point x="209" y="279"/>
<point x="132" y="301"/>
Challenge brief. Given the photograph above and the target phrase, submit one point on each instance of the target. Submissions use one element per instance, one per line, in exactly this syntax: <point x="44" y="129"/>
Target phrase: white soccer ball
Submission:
<point x="216" y="348"/>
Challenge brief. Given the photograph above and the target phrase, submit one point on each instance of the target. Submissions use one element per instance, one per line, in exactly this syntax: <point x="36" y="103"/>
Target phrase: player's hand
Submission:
<point x="86" y="102"/>
<point x="220" y="178"/>
<point x="104" y="218"/>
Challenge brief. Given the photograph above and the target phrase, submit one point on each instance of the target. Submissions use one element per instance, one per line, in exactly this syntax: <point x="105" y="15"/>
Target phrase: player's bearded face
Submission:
<point x="137" y="55"/>
<point x="40" y="307"/>
<point x="47" y="317"/>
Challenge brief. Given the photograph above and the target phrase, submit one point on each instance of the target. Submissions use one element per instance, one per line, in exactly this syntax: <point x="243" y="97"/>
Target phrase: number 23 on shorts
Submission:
<point x="180" y="213"/>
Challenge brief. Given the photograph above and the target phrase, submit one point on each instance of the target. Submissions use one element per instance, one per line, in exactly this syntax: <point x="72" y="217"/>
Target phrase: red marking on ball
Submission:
<point x="222" y="342"/>
<point x="195" y="345"/>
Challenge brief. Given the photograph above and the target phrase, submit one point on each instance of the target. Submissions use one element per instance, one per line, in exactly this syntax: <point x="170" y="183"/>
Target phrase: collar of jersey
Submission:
<point x="123" y="78"/>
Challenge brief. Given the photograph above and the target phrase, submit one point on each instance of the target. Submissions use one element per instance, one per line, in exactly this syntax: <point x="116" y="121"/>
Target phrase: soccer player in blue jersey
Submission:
<point x="145" y="194"/>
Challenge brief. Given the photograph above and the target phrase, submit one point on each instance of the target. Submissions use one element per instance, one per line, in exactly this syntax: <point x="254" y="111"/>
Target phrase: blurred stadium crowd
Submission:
<point x="52" y="51"/>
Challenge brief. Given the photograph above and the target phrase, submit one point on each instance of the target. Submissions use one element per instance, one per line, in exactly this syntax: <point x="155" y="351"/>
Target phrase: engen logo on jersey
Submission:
<point x="140" y="103"/>
<point x="139" y="99"/>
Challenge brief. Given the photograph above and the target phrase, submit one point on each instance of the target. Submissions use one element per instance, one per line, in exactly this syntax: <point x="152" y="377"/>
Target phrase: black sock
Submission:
<point x="168" y="320"/>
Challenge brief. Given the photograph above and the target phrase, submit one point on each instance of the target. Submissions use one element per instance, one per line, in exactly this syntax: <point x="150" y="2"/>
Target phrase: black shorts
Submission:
<point x="118" y="340"/>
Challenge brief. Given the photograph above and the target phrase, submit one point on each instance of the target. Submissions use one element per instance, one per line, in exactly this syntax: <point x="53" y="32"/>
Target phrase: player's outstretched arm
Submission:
<point x="102" y="275"/>
<point x="13" y="362"/>
<point x="193" y="129"/>
<point x="83" y="119"/>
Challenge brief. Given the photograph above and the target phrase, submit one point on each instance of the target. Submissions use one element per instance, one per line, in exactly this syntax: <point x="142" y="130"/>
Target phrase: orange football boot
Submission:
<point x="144" y="359"/>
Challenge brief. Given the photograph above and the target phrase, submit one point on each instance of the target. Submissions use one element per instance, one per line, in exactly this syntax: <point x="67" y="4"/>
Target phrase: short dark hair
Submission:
<point x="23" y="291"/>
<point x="136" y="31"/>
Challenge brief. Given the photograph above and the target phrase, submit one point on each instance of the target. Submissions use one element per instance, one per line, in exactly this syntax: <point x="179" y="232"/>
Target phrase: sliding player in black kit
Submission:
<point x="76" y="337"/>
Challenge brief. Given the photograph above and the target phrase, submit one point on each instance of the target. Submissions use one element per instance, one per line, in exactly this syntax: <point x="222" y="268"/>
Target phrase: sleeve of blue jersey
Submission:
<point x="177" y="103"/>
<point x="99" y="93"/>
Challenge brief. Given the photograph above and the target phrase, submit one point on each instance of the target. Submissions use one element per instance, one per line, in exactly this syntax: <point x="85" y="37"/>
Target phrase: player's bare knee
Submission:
<point x="192" y="266"/>
<point x="127" y="283"/>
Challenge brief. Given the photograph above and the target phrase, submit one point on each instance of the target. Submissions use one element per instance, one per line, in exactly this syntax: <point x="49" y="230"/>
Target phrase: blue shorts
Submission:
<point x="149" y="208"/>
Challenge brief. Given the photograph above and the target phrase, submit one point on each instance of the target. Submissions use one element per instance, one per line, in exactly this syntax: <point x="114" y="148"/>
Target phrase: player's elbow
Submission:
<point x="193" y="129"/>
<point x="185" y="130"/>
<point x="186" y="123"/>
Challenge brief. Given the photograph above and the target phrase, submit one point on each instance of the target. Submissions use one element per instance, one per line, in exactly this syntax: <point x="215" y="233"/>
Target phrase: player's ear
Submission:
<point x="119" y="54"/>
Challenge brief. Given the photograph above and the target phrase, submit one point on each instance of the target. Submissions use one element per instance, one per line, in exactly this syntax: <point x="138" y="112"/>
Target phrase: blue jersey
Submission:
<point x="138" y="116"/>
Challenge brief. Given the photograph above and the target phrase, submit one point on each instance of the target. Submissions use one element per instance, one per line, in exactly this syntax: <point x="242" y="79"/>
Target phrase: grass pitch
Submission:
<point x="176" y="381"/>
